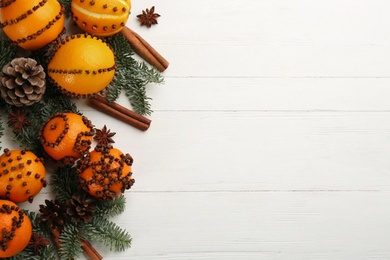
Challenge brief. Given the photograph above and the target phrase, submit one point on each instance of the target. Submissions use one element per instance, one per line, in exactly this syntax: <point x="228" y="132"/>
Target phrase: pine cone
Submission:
<point x="22" y="82"/>
<point x="81" y="207"/>
<point x="53" y="214"/>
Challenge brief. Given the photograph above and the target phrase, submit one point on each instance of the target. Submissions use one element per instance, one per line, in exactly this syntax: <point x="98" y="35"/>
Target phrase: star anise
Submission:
<point x="148" y="17"/>
<point x="17" y="119"/>
<point x="104" y="136"/>
<point x="38" y="242"/>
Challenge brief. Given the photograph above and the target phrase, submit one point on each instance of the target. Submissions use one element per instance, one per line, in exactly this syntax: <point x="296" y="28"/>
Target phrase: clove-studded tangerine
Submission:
<point x="22" y="175"/>
<point x="82" y="65"/>
<point x="101" y="17"/>
<point x="106" y="172"/>
<point x="16" y="229"/>
<point x="66" y="136"/>
<point x="32" y="24"/>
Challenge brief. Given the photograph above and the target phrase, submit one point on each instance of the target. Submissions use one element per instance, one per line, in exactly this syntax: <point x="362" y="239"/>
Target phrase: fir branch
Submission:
<point x="107" y="233"/>
<point x="132" y="76"/>
<point x="41" y="56"/>
<point x="139" y="99"/>
<point x="48" y="253"/>
<point x="27" y="253"/>
<point x="28" y="138"/>
<point x="70" y="242"/>
<point x="8" y="52"/>
<point x="37" y="225"/>
<point x="111" y="208"/>
<point x="65" y="182"/>
<point x="54" y="101"/>
<point x="114" y="90"/>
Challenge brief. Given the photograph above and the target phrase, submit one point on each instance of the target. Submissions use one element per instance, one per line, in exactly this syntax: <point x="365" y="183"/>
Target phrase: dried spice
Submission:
<point x="148" y="17"/>
<point x="38" y="242"/>
<point x="17" y="119"/>
<point x="104" y="136"/>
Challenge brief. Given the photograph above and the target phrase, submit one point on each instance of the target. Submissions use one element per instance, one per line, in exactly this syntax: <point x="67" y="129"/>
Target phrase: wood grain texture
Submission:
<point x="270" y="137"/>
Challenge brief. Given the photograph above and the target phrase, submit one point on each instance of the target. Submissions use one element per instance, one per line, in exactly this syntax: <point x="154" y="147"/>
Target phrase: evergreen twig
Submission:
<point x="64" y="182"/>
<point x="111" y="208"/>
<point x="8" y="51"/>
<point x="132" y="76"/>
<point x="37" y="225"/>
<point x="25" y="254"/>
<point x="107" y="233"/>
<point x="70" y="242"/>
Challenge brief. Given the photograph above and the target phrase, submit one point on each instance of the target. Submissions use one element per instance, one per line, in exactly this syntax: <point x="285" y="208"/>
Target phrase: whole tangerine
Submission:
<point x="32" y="24"/>
<point x="16" y="229"/>
<point x="66" y="136"/>
<point x="22" y="175"/>
<point x="106" y="172"/>
<point x="82" y="65"/>
<point x="102" y="18"/>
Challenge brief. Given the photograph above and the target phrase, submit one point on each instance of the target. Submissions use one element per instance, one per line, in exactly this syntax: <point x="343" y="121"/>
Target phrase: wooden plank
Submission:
<point x="278" y="61"/>
<point x="266" y="94"/>
<point x="269" y="94"/>
<point x="266" y="22"/>
<point x="272" y="38"/>
<point x="251" y="225"/>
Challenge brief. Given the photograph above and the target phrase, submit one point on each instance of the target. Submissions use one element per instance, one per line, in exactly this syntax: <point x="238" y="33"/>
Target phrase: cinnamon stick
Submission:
<point x="56" y="237"/>
<point x="145" y="50"/>
<point x="90" y="251"/>
<point x="120" y="112"/>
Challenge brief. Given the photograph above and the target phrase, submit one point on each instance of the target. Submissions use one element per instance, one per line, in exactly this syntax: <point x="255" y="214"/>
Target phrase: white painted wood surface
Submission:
<point x="270" y="137"/>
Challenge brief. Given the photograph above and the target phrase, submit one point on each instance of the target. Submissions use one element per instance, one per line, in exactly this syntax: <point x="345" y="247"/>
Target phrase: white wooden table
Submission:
<point x="270" y="137"/>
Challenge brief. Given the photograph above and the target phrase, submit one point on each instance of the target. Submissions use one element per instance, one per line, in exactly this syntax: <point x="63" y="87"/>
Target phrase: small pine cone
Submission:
<point x="81" y="207"/>
<point x="53" y="214"/>
<point x="22" y="82"/>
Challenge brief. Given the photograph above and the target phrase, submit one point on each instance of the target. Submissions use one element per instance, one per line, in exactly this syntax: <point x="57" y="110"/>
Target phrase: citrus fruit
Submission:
<point x="82" y="65"/>
<point x="106" y="172"/>
<point x="32" y="24"/>
<point x="16" y="229"/>
<point x="66" y="136"/>
<point x="101" y="17"/>
<point x="22" y="175"/>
